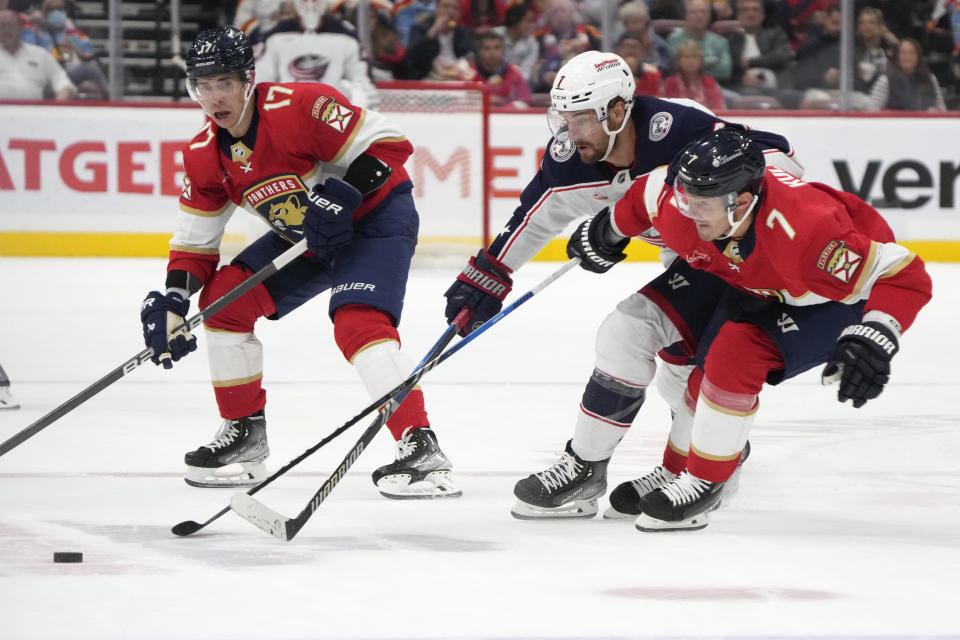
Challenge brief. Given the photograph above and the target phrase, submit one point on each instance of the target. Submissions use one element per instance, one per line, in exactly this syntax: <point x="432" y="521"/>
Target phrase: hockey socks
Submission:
<point x="607" y="410"/>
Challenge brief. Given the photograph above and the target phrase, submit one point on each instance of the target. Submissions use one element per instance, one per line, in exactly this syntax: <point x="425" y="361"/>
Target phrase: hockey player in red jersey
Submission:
<point x="605" y="136"/>
<point x="813" y="276"/>
<point x="313" y="166"/>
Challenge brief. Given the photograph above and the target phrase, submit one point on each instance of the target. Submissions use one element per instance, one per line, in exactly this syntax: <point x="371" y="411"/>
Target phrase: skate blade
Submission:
<point x="436" y="484"/>
<point x="652" y="525"/>
<point x="242" y="474"/>
<point x="577" y="509"/>
<point x="613" y="514"/>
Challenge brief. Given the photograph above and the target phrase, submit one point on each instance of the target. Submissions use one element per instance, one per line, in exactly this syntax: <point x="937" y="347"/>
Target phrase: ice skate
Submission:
<point x="568" y="489"/>
<point x="625" y="499"/>
<point x="234" y="458"/>
<point x="683" y="504"/>
<point x="421" y="470"/>
<point x="7" y="401"/>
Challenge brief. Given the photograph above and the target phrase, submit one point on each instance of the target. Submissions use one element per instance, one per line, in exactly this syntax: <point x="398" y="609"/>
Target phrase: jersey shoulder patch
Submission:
<point x="561" y="151"/>
<point x="660" y="124"/>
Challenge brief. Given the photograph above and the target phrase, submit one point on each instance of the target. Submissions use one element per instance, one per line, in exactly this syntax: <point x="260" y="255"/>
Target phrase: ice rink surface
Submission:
<point x="846" y="524"/>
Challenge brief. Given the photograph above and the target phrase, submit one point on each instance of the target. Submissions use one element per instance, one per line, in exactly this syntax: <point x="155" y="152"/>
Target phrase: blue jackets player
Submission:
<point x="312" y="165"/>
<point x="604" y="139"/>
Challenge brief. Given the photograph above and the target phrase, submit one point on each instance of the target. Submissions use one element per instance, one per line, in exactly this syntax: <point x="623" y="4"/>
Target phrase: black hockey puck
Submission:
<point x="67" y="556"/>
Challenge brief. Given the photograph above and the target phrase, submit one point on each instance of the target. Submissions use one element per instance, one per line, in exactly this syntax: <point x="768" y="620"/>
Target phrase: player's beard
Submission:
<point x="592" y="153"/>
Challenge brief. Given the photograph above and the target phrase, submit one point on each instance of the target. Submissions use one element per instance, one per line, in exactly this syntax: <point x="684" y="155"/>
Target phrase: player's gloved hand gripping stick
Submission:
<point x="285" y="528"/>
<point x="218" y="305"/>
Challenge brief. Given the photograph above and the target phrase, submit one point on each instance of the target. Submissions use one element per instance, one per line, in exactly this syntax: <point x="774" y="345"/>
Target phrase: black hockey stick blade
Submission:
<point x="280" y="526"/>
<point x="189" y="527"/>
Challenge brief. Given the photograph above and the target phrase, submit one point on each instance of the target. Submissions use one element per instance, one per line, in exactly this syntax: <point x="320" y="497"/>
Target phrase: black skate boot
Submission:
<point x="240" y="442"/>
<point x="680" y="505"/>
<point x="568" y="489"/>
<point x="625" y="499"/>
<point x="421" y="469"/>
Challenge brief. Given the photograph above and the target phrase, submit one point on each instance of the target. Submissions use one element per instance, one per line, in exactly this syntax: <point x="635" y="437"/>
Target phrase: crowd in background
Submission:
<point x="732" y="54"/>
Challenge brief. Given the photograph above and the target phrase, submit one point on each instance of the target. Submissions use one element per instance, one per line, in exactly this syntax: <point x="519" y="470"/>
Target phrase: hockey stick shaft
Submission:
<point x="189" y="527"/>
<point x="130" y="365"/>
<point x="285" y="528"/>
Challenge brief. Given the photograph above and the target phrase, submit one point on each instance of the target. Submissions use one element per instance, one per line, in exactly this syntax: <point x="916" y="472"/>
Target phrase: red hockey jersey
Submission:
<point x="301" y="134"/>
<point x="808" y="244"/>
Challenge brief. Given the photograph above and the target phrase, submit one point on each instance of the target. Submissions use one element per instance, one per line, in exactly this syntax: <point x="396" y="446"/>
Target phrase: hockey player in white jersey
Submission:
<point x="317" y="47"/>
<point x="604" y="138"/>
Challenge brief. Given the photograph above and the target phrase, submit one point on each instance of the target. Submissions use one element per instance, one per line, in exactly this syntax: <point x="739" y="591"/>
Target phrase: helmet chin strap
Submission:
<point x="735" y="226"/>
<point x="613" y="134"/>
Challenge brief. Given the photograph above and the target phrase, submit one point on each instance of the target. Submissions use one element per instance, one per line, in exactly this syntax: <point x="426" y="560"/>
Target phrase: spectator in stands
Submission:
<point x="689" y="80"/>
<point x="440" y="47"/>
<point x="721" y="10"/>
<point x="521" y="48"/>
<point x="797" y="17"/>
<point x="759" y="55"/>
<point x="563" y="37"/>
<point x="316" y="47"/>
<point x="648" y="78"/>
<point x="716" y="51"/>
<point x="817" y="71"/>
<point x="386" y="52"/>
<point x="70" y="47"/>
<point x="912" y="86"/>
<point x="667" y="9"/>
<point x="874" y="45"/>
<point x="506" y="82"/>
<point x="635" y="18"/>
<point x="818" y="56"/>
<point x="407" y="13"/>
<point x="28" y="72"/>
<point x="482" y="14"/>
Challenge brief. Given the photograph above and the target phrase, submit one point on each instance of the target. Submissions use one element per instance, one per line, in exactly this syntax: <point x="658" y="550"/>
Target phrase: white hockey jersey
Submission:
<point x="330" y="56"/>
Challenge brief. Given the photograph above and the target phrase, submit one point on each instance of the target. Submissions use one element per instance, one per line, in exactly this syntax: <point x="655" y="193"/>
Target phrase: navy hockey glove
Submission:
<point x="861" y="362"/>
<point x="481" y="287"/>
<point x="161" y="314"/>
<point x="593" y="243"/>
<point x="328" y="223"/>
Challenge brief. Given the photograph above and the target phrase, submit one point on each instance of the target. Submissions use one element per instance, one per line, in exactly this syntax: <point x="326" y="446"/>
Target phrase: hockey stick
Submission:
<point x="218" y="305"/>
<point x="285" y="528"/>
<point x="188" y="527"/>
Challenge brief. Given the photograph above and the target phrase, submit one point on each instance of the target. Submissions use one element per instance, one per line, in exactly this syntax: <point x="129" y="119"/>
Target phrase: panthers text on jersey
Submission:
<point x="301" y="134"/>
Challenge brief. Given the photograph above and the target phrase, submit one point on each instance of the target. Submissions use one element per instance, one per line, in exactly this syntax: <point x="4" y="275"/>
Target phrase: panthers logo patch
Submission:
<point x="281" y="201"/>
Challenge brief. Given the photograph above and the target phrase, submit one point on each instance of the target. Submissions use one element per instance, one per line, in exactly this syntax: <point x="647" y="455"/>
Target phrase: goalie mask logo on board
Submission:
<point x="282" y="202"/>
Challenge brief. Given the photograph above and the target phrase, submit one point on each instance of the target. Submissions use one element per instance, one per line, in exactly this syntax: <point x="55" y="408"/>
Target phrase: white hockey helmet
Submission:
<point x="591" y="80"/>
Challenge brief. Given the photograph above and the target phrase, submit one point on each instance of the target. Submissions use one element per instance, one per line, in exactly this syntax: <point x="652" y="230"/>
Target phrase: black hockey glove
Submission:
<point x="160" y="315"/>
<point x="481" y="287"/>
<point x="328" y="223"/>
<point x="861" y="362"/>
<point x="591" y="243"/>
